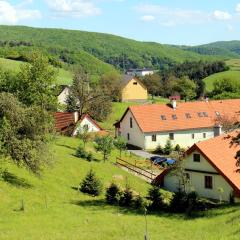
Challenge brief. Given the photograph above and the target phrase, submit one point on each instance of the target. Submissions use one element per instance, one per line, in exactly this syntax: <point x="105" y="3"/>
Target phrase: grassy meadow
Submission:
<point x="63" y="76"/>
<point x="54" y="209"/>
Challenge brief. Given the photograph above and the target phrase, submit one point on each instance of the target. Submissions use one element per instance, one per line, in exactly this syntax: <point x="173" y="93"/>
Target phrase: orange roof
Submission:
<point x="221" y="154"/>
<point x="63" y="120"/>
<point x="148" y="117"/>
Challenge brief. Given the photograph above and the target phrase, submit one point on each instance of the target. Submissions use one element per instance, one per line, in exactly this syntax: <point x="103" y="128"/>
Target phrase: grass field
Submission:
<point x="63" y="77"/>
<point x="234" y="64"/>
<point x="54" y="210"/>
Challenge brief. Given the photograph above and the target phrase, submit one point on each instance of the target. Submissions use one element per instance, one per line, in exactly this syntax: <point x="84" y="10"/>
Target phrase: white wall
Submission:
<point x="197" y="180"/>
<point x="63" y="96"/>
<point x="136" y="135"/>
<point x="183" y="138"/>
<point x="91" y="127"/>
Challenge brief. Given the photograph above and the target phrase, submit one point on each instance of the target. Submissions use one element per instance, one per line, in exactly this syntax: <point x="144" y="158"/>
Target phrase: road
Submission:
<point x="142" y="153"/>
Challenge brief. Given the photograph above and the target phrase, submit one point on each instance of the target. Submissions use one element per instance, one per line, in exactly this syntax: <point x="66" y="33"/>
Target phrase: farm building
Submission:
<point x="63" y="94"/>
<point x="70" y="124"/>
<point x="140" y="72"/>
<point x="133" y="89"/>
<point x="210" y="169"/>
<point x="148" y="126"/>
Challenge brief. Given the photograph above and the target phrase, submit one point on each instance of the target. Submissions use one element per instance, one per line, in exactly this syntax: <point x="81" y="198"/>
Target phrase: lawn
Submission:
<point x="234" y="64"/>
<point x="55" y="210"/>
<point x="209" y="81"/>
<point x="63" y="76"/>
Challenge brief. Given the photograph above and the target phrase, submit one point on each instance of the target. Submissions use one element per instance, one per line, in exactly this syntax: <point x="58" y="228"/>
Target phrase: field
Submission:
<point x="63" y="77"/>
<point x="54" y="209"/>
<point x="234" y="64"/>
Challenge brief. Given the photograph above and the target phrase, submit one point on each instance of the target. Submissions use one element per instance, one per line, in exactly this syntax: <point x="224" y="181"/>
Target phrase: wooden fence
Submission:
<point x="149" y="175"/>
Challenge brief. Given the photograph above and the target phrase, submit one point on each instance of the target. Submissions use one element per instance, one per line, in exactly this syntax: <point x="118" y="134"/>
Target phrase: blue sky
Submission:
<point x="173" y="21"/>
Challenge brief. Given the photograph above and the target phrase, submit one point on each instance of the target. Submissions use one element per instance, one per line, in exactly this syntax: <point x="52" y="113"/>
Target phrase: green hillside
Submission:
<point x="77" y="47"/>
<point x="64" y="76"/>
<point x="55" y="210"/>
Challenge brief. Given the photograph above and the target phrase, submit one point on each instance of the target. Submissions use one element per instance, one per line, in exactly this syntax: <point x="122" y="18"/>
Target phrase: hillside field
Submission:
<point x="63" y="77"/>
<point x="54" y="209"/>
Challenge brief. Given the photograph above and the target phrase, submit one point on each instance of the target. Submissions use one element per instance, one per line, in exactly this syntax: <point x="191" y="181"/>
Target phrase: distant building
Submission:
<point x="210" y="169"/>
<point x="64" y="91"/>
<point x="140" y="72"/>
<point x="132" y="89"/>
<point x="184" y="123"/>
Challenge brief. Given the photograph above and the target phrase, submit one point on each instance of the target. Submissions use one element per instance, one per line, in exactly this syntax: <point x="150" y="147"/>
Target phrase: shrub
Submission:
<point x="138" y="202"/>
<point x="89" y="157"/>
<point x="177" y="148"/>
<point x="91" y="184"/>
<point x="126" y="197"/>
<point x="168" y="147"/>
<point x="82" y="153"/>
<point x="154" y="196"/>
<point x="179" y="202"/>
<point x="159" y="150"/>
<point x="113" y="193"/>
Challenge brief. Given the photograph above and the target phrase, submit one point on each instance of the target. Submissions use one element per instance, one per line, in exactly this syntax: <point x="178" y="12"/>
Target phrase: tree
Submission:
<point x="84" y="135"/>
<point x="35" y="83"/>
<point x="104" y="145"/>
<point x="88" y="98"/>
<point x="121" y="144"/>
<point x="168" y="147"/>
<point x="153" y="84"/>
<point x="24" y="133"/>
<point x="91" y="184"/>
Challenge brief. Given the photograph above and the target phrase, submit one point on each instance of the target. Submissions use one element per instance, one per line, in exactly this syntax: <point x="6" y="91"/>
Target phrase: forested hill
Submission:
<point x="229" y="49"/>
<point x="91" y="50"/>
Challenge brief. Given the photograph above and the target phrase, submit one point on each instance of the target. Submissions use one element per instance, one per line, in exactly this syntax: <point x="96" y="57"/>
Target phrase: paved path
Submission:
<point x="142" y="153"/>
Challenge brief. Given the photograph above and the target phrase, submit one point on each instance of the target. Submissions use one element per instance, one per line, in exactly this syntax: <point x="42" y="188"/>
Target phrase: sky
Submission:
<point x="181" y="22"/>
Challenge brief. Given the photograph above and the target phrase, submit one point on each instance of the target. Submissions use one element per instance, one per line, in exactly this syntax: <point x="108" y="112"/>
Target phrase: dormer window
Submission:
<point x="174" y="117"/>
<point x="188" y="115"/>
<point x="163" y="117"/>
<point x="200" y="114"/>
<point x="205" y="114"/>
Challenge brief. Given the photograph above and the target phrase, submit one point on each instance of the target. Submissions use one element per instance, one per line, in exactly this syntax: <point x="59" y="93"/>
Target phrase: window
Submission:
<point x="193" y="136"/>
<point x="85" y="127"/>
<point x="163" y="117"/>
<point x="171" y="136"/>
<point x="196" y="157"/>
<point x="154" y="138"/>
<point x="188" y="115"/>
<point x="200" y="114"/>
<point x="128" y="136"/>
<point x="131" y="123"/>
<point x="204" y="135"/>
<point x="208" y="182"/>
<point x="205" y="114"/>
<point x="135" y="83"/>
<point x="174" y="117"/>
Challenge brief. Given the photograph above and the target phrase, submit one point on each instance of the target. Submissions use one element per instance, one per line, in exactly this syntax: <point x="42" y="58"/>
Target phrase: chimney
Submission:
<point x="174" y="104"/>
<point x="217" y="130"/>
<point x="76" y="116"/>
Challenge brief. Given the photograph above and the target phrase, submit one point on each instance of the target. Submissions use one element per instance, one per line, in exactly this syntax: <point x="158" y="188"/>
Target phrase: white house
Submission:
<point x="70" y="124"/>
<point x="63" y="94"/>
<point x="140" y="72"/>
<point x="210" y="169"/>
<point x="148" y="126"/>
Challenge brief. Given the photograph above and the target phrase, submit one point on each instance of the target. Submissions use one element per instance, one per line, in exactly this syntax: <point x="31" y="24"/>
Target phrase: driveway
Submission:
<point x="142" y="153"/>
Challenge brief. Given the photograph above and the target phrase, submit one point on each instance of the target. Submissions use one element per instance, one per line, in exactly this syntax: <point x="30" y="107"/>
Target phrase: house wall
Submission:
<point x="197" y="179"/>
<point x="183" y="138"/>
<point x="136" y="135"/>
<point x="91" y="127"/>
<point x="134" y="92"/>
<point x="62" y="98"/>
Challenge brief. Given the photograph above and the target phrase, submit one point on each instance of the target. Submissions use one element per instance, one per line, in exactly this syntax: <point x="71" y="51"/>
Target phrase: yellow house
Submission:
<point x="133" y="89"/>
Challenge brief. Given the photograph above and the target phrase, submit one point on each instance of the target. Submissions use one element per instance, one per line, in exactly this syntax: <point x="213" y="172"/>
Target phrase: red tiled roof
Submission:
<point x="63" y="120"/>
<point x="221" y="154"/>
<point x="148" y="117"/>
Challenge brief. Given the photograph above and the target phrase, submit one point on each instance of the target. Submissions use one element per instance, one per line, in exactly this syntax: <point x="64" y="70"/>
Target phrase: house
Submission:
<point x="132" y="89"/>
<point x="210" y="169"/>
<point x="140" y="72"/>
<point x="70" y="124"/>
<point x="64" y="91"/>
<point x="185" y="123"/>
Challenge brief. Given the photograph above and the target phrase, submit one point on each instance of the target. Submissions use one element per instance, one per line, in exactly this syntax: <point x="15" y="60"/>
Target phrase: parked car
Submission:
<point x="158" y="160"/>
<point x="170" y="162"/>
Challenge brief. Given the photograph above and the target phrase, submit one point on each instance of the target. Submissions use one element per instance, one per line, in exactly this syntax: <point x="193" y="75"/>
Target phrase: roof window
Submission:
<point x="163" y="117"/>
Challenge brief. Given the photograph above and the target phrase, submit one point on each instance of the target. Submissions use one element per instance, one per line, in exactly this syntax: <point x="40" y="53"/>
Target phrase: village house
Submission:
<point x="210" y="170"/>
<point x="184" y="123"/>
<point x="132" y="89"/>
<point x="140" y="72"/>
<point x="64" y="91"/>
<point x="70" y="124"/>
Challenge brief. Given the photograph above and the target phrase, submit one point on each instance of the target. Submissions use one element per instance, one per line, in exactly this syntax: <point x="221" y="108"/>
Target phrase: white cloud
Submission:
<point x="10" y="14"/>
<point x="170" y="17"/>
<point x="222" y="15"/>
<point x="238" y="8"/>
<point x="230" y="28"/>
<point x="147" y="18"/>
<point x="73" y="8"/>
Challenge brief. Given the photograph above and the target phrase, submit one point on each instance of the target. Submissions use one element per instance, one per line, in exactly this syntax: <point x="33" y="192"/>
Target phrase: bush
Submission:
<point x="155" y="198"/>
<point x="138" y="202"/>
<point x="113" y="194"/>
<point x="177" y="148"/>
<point x="91" y="184"/>
<point x="126" y="197"/>
<point x="82" y="153"/>
<point x="159" y="150"/>
<point x="168" y="147"/>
